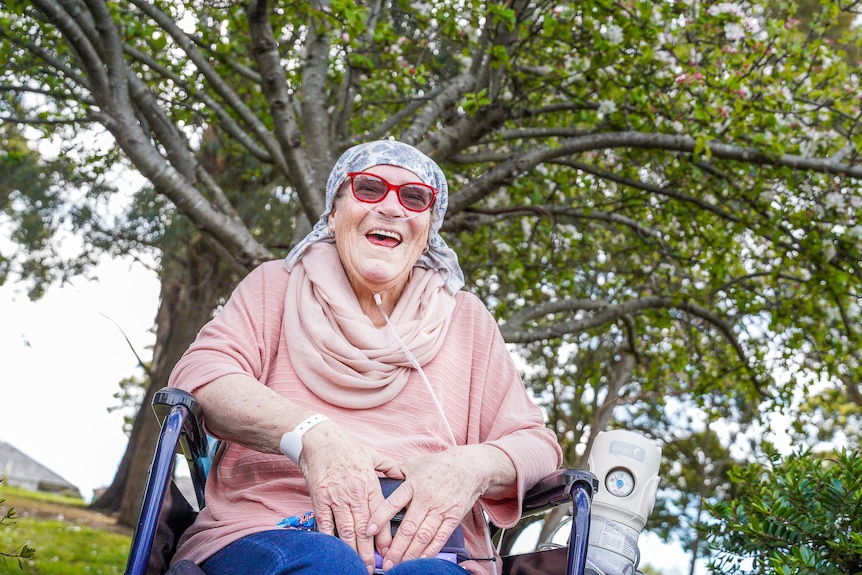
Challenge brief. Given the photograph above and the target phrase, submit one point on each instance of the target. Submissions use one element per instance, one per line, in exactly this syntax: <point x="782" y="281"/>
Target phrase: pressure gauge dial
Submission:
<point x="620" y="482"/>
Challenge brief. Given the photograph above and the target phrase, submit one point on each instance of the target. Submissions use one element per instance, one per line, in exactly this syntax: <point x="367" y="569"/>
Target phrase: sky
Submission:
<point x="62" y="357"/>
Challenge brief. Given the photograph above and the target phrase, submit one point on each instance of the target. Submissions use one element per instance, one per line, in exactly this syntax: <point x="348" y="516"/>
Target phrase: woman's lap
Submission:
<point x="295" y="552"/>
<point x="427" y="567"/>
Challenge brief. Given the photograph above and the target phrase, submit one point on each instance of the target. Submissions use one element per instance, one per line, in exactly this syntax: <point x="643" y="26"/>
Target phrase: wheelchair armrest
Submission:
<point x="194" y="439"/>
<point x="164" y="510"/>
<point x="557" y="488"/>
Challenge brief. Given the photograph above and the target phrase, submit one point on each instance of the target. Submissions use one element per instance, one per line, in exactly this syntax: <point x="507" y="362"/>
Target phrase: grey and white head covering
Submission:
<point x="439" y="256"/>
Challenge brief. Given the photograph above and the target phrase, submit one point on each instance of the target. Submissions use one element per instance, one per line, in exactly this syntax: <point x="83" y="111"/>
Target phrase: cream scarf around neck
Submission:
<point x="336" y="350"/>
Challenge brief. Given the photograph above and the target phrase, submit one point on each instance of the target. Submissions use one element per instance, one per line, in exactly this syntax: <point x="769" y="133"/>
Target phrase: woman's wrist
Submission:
<point x="499" y="471"/>
<point x="291" y="442"/>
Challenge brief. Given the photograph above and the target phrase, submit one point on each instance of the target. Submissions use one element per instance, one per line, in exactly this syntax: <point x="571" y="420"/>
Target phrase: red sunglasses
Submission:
<point x="371" y="189"/>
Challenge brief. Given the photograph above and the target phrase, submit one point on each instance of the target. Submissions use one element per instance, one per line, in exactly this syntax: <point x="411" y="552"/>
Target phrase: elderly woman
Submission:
<point x="359" y="358"/>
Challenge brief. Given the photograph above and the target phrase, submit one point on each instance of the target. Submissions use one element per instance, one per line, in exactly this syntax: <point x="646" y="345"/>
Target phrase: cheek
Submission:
<point x="424" y="233"/>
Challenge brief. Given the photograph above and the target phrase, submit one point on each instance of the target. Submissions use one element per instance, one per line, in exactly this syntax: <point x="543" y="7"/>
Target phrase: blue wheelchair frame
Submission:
<point x="181" y="429"/>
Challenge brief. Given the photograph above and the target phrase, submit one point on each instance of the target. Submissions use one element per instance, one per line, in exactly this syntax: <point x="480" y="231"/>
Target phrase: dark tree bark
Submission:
<point x="192" y="287"/>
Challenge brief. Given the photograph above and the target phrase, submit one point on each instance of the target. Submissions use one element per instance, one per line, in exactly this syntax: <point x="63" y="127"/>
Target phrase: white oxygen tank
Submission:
<point x="627" y="466"/>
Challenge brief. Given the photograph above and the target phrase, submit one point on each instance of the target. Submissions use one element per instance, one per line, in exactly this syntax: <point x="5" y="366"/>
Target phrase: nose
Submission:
<point x="390" y="206"/>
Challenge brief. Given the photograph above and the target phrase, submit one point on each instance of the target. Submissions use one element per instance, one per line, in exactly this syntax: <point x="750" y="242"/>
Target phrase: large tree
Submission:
<point x="658" y="200"/>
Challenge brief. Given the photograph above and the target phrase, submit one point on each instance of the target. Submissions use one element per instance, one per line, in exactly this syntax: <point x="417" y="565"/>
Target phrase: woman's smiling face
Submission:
<point x="379" y="243"/>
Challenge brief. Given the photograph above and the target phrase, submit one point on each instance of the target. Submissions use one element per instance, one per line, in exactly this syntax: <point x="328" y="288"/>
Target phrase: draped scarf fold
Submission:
<point x="337" y="352"/>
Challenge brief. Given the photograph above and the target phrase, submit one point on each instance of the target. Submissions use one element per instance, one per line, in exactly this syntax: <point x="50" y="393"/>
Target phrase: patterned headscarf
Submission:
<point x="439" y="256"/>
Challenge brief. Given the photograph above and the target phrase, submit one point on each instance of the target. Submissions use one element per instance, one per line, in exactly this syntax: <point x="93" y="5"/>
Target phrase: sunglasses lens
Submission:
<point x="415" y="198"/>
<point x="368" y="188"/>
<point x="372" y="189"/>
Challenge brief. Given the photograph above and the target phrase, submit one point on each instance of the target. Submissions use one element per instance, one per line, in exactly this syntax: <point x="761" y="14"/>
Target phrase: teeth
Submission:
<point x="387" y="234"/>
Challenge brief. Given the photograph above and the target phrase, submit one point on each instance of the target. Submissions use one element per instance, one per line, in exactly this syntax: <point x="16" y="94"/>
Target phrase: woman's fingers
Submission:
<point x="432" y="514"/>
<point x="348" y="519"/>
<point x="388" y="508"/>
<point x="342" y="479"/>
<point x="420" y="537"/>
<point x="323" y="520"/>
<point x="439" y="490"/>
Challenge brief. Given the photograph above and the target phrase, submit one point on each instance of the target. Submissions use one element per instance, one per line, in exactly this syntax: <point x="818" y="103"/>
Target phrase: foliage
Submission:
<point x="694" y="471"/>
<point x="25" y="551"/>
<point x="33" y="197"/>
<point x="129" y="399"/>
<point x="828" y="416"/>
<point x="796" y="515"/>
<point x="72" y="540"/>
<point x="659" y="201"/>
<point x="69" y="549"/>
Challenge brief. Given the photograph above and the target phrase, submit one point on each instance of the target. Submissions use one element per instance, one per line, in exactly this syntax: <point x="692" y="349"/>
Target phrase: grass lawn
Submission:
<point x="68" y="538"/>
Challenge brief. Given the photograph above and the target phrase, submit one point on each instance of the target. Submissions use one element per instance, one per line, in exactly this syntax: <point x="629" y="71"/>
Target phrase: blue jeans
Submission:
<point x="296" y="552"/>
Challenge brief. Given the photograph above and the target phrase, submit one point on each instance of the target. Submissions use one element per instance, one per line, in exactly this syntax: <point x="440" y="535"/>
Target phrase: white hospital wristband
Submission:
<point x="291" y="442"/>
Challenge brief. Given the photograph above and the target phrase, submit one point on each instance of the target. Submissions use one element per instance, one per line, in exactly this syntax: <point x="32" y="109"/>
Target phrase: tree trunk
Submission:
<point x="191" y="289"/>
<point x="695" y="544"/>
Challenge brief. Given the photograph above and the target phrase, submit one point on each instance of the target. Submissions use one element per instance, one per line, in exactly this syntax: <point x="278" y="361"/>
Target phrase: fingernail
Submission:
<point x="372" y="529"/>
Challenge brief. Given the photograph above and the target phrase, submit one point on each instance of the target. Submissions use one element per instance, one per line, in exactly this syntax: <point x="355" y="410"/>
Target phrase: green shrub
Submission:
<point x="24" y="551"/>
<point x="799" y="515"/>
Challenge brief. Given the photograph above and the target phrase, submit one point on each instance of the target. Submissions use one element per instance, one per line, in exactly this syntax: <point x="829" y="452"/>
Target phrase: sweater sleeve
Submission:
<point x="510" y="420"/>
<point x="243" y="335"/>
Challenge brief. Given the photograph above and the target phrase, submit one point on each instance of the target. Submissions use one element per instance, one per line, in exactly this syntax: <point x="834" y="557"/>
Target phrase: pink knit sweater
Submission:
<point x="473" y="376"/>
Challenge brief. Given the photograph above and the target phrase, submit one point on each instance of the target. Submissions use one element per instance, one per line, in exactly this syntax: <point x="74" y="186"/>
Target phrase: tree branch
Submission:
<point x="313" y="104"/>
<point x="79" y="40"/>
<point x="226" y="121"/>
<point x="515" y="332"/>
<point x="521" y="161"/>
<point x="434" y="108"/>
<point x="265" y="50"/>
<point x="216" y="81"/>
<point x="52" y="62"/>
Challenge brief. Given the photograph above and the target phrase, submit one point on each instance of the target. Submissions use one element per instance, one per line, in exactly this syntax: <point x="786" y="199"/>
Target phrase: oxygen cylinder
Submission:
<point x="627" y="466"/>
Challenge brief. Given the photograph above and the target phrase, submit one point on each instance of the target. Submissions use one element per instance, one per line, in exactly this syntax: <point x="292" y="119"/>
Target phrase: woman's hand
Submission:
<point x="341" y="472"/>
<point x="342" y="478"/>
<point x="439" y="490"/>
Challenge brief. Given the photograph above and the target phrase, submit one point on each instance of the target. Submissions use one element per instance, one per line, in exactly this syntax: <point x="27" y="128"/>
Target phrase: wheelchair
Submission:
<point x="166" y="513"/>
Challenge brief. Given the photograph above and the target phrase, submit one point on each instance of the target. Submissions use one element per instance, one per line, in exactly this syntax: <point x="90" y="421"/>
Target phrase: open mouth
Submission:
<point x="384" y="238"/>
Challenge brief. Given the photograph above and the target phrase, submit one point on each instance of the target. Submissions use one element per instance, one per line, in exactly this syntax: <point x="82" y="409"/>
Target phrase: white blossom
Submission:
<point x="613" y="34"/>
<point x="607" y="107"/>
<point x="767" y="196"/>
<point x="751" y="24"/>
<point x="835" y="200"/>
<point x="832" y="314"/>
<point x="734" y="32"/>
<point x="665" y="56"/>
<point x="725" y="8"/>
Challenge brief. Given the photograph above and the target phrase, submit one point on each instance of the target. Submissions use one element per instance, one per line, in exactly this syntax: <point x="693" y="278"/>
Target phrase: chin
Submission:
<point x="381" y="280"/>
